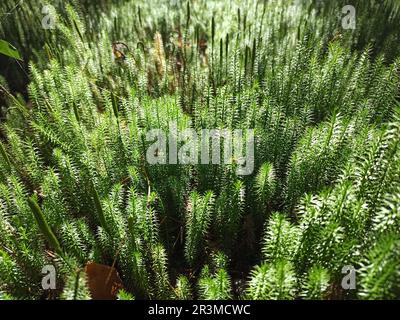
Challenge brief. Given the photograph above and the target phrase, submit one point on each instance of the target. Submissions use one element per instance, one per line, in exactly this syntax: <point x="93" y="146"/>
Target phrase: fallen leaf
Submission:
<point x="103" y="281"/>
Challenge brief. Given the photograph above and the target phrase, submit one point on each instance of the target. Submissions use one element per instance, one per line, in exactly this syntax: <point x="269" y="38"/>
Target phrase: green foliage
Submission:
<point x="215" y="286"/>
<point x="198" y="219"/>
<point x="265" y="184"/>
<point x="280" y="239"/>
<point x="76" y="287"/>
<point x="6" y="297"/>
<point x="183" y="289"/>
<point x="123" y="295"/>
<point x="160" y="269"/>
<point x="380" y="271"/>
<point x="43" y="226"/>
<point x="318" y="158"/>
<point x="229" y="208"/>
<point x="272" y="281"/>
<point x="324" y="106"/>
<point x="316" y="284"/>
<point x="8" y="50"/>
